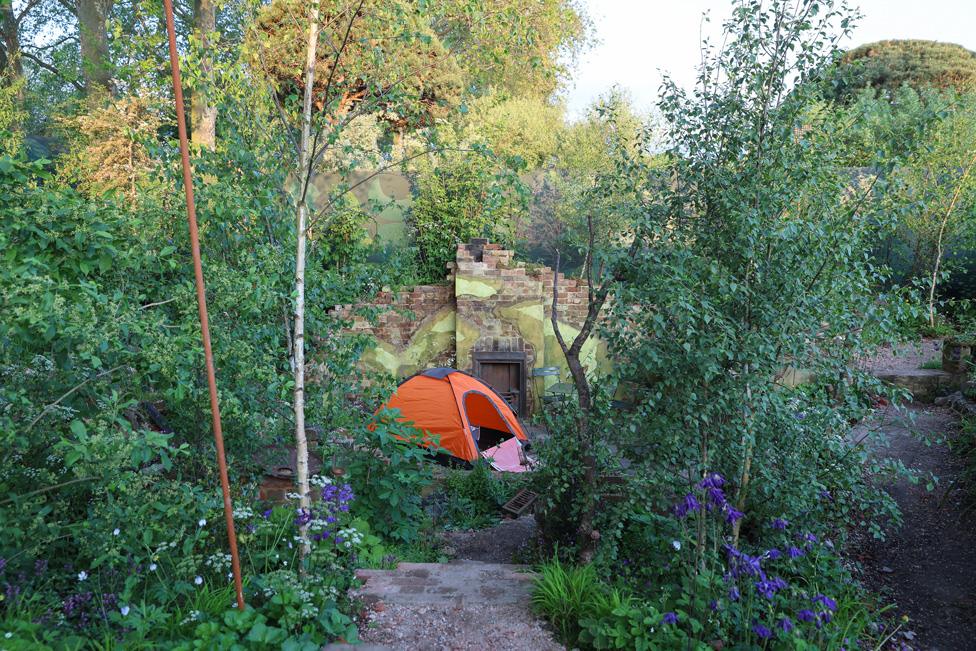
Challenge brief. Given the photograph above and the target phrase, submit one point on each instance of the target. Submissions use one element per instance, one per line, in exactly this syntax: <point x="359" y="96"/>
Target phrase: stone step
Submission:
<point x="459" y="583"/>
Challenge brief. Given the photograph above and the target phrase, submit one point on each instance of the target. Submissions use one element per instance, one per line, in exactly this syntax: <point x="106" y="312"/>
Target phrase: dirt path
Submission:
<point x="928" y="567"/>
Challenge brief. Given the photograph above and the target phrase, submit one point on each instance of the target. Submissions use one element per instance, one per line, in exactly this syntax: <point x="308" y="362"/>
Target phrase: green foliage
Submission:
<point x="795" y="595"/>
<point x="964" y="446"/>
<point x="474" y="497"/>
<point x="459" y="197"/>
<point x="889" y="65"/>
<point x="389" y="472"/>
<point x="564" y="594"/>
<point x="747" y="255"/>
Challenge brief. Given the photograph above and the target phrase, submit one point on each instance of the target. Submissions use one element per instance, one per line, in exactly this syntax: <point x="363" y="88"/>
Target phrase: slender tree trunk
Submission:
<point x="586" y="536"/>
<point x="298" y="339"/>
<point x="10" y="33"/>
<point x="93" y="34"/>
<point x="746" y="476"/>
<point x="11" y="66"/>
<point x="203" y="114"/>
<point x="938" y="240"/>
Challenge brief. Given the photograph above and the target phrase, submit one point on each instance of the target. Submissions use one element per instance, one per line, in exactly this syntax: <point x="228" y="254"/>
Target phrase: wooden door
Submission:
<point x="505" y="373"/>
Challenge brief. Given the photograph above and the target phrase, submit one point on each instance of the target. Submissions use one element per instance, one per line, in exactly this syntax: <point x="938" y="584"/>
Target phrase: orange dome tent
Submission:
<point x="467" y="416"/>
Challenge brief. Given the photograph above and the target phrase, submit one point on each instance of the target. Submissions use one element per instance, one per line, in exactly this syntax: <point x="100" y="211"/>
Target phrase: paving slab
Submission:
<point x="458" y="583"/>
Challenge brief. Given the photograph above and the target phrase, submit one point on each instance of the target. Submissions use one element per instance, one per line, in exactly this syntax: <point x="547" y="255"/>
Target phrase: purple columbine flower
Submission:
<point x="670" y="617"/>
<point x="809" y="537"/>
<point x="765" y="589"/>
<point x="713" y="605"/>
<point x="732" y="514"/>
<point x="266" y="514"/>
<point x="687" y="505"/>
<point x="824" y="617"/>
<point x="825" y="494"/>
<point x="734" y="594"/>
<point x="768" y="587"/>
<point x="762" y="631"/>
<point x="806" y="615"/>
<point x="302" y="517"/>
<point x="780" y="523"/>
<point x="794" y="552"/>
<point x="826" y="601"/>
<point x="786" y="624"/>
<point x="773" y="554"/>
<point x="716" y="496"/>
<point x="712" y="480"/>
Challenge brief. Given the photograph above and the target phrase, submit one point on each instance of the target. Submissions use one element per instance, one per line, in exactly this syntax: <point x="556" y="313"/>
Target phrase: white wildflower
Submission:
<point x="202" y="522"/>
<point x="116" y="532"/>
<point x="82" y="575"/>
<point x="198" y="580"/>
<point x="124" y="610"/>
<point x="676" y="544"/>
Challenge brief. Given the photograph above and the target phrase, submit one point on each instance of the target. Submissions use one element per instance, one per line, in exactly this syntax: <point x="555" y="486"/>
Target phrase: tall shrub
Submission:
<point x="753" y="262"/>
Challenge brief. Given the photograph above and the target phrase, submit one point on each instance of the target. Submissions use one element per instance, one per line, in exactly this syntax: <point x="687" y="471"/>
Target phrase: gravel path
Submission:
<point x="457" y="628"/>
<point x="928" y="567"/>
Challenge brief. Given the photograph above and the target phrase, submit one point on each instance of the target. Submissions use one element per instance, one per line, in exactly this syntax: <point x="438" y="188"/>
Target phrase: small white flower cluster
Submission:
<point x="218" y="561"/>
<point x="193" y="616"/>
<point x="293" y="496"/>
<point x="350" y="536"/>
<point x="319" y="480"/>
<point x="243" y="513"/>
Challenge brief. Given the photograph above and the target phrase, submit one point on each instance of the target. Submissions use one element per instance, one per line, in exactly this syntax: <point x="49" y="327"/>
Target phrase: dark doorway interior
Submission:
<point x="505" y="373"/>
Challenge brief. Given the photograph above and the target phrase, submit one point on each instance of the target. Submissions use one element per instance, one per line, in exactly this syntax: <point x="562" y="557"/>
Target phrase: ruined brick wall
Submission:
<point x="503" y="305"/>
<point x="414" y="329"/>
<point x="491" y="303"/>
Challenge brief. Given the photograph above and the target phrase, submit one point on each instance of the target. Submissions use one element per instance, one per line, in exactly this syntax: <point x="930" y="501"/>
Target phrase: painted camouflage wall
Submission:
<point x="490" y="302"/>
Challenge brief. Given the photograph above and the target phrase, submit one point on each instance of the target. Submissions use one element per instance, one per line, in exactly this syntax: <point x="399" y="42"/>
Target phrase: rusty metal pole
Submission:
<point x="191" y="216"/>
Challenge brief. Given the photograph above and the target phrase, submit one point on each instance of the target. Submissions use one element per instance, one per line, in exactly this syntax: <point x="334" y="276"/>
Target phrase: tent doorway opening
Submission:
<point x="504" y="372"/>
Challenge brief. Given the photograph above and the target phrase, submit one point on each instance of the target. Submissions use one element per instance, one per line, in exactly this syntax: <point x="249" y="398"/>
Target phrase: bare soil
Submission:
<point x="927" y="568"/>
<point x="498" y="544"/>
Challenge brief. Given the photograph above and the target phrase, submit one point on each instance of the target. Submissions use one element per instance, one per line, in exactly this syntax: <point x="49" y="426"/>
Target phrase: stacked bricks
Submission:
<point x="400" y="314"/>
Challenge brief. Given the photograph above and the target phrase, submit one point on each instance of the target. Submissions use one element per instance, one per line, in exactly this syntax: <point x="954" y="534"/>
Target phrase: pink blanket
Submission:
<point x="505" y="456"/>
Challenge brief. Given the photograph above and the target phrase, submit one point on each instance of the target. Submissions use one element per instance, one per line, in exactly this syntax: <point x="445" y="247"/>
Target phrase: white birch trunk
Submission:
<point x="298" y="339"/>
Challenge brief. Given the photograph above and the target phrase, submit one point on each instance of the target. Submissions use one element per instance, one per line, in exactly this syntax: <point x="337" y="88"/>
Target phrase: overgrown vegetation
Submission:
<point x="773" y="219"/>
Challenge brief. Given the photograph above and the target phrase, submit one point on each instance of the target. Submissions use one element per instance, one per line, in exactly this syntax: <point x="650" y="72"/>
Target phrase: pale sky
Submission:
<point x="637" y="38"/>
